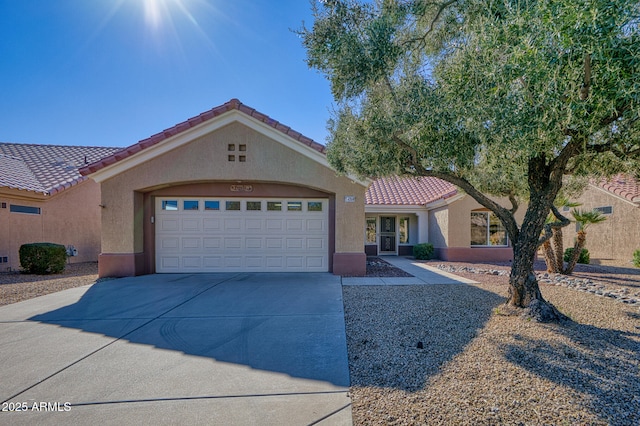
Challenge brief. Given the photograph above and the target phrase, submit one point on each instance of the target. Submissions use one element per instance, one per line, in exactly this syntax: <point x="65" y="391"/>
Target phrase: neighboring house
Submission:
<point x="615" y="239"/>
<point x="228" y="190"/>
<point x="402" y="212"/>
<point x="43" y="198"/>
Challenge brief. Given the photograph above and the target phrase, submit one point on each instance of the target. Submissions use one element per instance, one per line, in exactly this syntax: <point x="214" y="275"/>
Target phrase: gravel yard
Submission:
<point x="16" y="287"/>
<point x="444" y="354"/>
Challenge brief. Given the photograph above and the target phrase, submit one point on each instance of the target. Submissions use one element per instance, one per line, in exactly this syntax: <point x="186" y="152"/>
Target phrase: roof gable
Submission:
<point x="207" y="122"/>
<point x="408" y="191"/>
<point x="45" y="169"/>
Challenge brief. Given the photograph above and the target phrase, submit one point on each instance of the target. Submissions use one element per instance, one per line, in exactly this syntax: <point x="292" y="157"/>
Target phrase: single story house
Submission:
<point x="614" y="240"/>
<point x="43" y="198"/>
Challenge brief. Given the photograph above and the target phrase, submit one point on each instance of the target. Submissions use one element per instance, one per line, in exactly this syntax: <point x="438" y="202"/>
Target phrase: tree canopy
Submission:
<point x="500" y="97"/>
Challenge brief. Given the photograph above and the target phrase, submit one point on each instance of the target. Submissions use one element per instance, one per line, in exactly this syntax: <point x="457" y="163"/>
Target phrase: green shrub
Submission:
<point x="423" y="251"/>
<point x="636" y="258"/>
<point x="43" y="258"/>
<point x="584" y="255"/>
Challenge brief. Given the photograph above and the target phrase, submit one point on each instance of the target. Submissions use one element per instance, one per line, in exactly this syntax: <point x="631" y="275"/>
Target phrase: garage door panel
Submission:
<point x="191" y="225"/>
<point x="274" y="238"/>
<point x="211" y="224"/>
<point x="191" y="243"/>
<point x="191" y="262"/>
<point x="231" y="243"/>
<point x="212" y="243"/>
<point x="253" y="243"/>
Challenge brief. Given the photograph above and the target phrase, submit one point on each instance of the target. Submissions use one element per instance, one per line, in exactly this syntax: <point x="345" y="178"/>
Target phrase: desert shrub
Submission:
<point x="43" y="258"/>
<point x="423" y="251"/>
<point x="636" y="258"/>
<point x="584" y="255"/>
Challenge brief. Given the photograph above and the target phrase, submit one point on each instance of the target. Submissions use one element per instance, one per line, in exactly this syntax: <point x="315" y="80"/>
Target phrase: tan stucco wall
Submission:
<point x="206" y="159"/>
<point x="71" y="217"/>
<point x="614" y="239"/>
<point x="439" y="227"/>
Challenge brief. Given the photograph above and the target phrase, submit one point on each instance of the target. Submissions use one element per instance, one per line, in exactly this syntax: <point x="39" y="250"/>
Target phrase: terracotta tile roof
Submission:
<point x="233" y="104"/>
<point x="623" y="186"/>
<point x="46" y="169"/>
<point x="408" y="191"/>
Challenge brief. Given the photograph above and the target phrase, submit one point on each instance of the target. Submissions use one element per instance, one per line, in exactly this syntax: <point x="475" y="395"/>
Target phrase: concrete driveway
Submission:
<point x="179" y="349"/>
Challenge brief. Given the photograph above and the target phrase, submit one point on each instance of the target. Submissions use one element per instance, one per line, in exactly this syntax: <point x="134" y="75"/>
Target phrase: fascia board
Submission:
<point x="395" y="208"/>
<point x="444" y="202"/>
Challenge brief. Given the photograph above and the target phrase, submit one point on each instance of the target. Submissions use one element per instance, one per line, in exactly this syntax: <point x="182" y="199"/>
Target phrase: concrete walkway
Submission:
<point x="422" y="274"/>
<point x="209" y="349"/>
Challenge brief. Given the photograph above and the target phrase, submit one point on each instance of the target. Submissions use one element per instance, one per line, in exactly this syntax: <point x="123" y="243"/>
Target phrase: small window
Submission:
<point x="254" y="205"/>
<point x="274" y="206"/>
<point x="170" y="205"/>
<point x="404" y="230"/>
<point x="604" y="210"/>
<point x="24" y="209"/>
<point x="242" y="147"/>
<point x="232" y="158"/>
<point x="314" y="206"/>
<point x="231" y="147"/>
<point x="371" y="230"/>
<point x="232" y="205"/>
<point x="191" y="205"/>
<point x="294" y="206"/>
<point x="242" y="158"/>
<point x="212" y="205"/>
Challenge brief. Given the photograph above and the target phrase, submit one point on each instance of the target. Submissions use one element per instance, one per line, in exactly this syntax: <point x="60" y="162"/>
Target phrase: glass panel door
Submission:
<point x="388" y="244"/>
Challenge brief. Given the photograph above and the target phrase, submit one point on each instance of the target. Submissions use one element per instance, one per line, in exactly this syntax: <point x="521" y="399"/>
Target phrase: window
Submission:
<point x="170" y="205"/>
<point x="24" y="209"/>
<point x="604" y="210"/>
<point x="212" y="205"/>
<point x="274" y="206"/>
<point x="190" y="205"/>
<point x="254" y="205"/>
<point x="314" y="206"/>
<point x="232" y="205"/>
<point x="404" y="230"/>
<point x="294" y="206"/>
<point x="487" y="230"/>
<point x="371" y="230"/>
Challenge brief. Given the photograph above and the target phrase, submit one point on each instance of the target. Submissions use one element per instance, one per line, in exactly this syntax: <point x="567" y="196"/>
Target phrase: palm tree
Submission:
<point x="553" y="249"/>
<point x="584" y="219"/>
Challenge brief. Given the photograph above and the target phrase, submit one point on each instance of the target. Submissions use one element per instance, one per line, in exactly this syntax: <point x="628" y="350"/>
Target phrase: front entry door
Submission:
<point x="388" y="235"/>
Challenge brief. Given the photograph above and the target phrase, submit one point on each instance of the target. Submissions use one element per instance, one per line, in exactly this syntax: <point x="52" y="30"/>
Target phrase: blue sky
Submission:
<point x="113" y="72"/>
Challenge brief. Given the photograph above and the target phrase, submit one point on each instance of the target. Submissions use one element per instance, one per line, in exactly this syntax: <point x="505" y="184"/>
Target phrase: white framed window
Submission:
<point x="487" y="230"/>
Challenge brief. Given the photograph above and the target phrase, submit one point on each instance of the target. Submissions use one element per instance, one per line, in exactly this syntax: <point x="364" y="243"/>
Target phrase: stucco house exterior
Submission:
<point x="228" y="190"/>
<point x="614" y="240"/>
<point x="43" y="198"/>
<point x="402" y="212"/>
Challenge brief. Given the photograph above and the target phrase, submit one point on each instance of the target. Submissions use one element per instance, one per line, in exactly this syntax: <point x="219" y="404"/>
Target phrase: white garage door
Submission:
<point x="235" y="235"/>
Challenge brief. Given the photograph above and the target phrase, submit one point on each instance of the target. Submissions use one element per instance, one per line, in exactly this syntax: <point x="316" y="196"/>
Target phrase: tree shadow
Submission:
<point x="393" y="329"/>
<point x="285" y="323"/>
<point x="602" y="364"/>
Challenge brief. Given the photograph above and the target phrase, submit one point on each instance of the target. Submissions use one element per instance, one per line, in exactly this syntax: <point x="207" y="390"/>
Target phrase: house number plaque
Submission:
<point x="241" y="188"/>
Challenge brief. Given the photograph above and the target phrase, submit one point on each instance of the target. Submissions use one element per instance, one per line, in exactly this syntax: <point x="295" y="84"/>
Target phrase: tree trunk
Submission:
<point x="581" y="241"/>
<point x="558" y="247"/>
<point x="549" y="256"/>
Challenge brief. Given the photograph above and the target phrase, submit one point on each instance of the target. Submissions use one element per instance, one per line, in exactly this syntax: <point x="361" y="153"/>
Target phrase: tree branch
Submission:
<point x="505" y="215"/>
<point x="435" y="19"/>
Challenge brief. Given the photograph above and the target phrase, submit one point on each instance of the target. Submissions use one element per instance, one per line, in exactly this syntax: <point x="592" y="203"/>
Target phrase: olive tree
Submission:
<point x="502" y="98"/>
